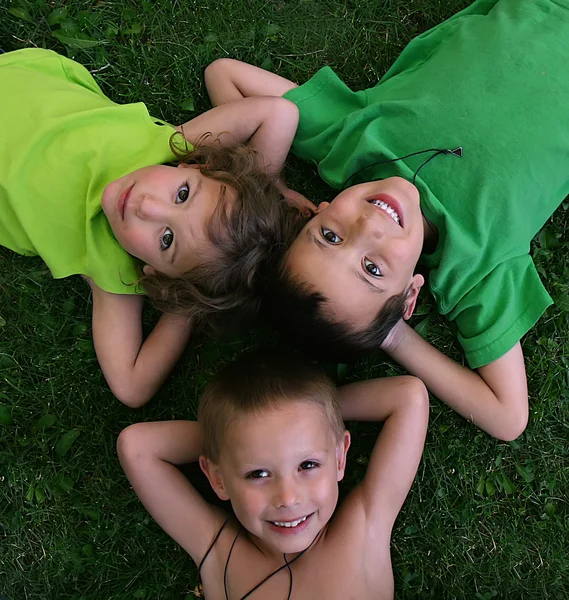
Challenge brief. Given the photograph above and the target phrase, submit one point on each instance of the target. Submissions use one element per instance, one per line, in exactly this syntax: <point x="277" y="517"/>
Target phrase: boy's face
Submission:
<point x="362" y="249"/>
<point x="280" y="469"/>
<point x="160" y="214"/>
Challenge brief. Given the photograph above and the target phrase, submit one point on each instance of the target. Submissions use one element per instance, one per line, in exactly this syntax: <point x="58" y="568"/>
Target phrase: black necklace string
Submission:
<point x="437" y="151"/>
<point x="278" y="570"/>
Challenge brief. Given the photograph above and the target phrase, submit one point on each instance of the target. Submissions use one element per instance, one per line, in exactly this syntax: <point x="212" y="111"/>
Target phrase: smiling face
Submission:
<point x="160" y="215"/>
<point x="362" y="249"/>
<point x="280" y="469"/>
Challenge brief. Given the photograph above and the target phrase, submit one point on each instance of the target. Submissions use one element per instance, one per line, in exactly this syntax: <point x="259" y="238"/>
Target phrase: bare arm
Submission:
<point x="228" y="80"/>
<point x="266" y="123"/>
<point x="148" y="453"/>
<point x="494" y="398"/>
<point x="133" y="367"/>
<point x="403" y="403"/>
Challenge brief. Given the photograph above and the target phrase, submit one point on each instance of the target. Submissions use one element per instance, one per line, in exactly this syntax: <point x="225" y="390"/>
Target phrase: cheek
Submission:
<point x="247" y="501"/>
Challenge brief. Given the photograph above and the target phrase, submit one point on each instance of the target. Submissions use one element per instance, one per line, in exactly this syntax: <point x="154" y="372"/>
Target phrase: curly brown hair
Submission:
<point x="251" y="236"/>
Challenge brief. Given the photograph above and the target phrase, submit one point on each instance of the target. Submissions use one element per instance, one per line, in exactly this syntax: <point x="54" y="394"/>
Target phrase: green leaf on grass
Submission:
<point x="57" y="15"/>
<point x="508" y="486"/>
<point x="46" y="421"/>
<point x="480" y="486"/>
<point x="267" y="64"/>
<point x="525" y="472"/>
<point x="65" y="442"/>
<point x="30" y="493"/>
<point x="2" y="322"/>
<point x="20" y="13"/>
<point x="422" y="327"/>
<point x="547" y="239"/>
<point x="188" y="104"/>
<point x="134" y="29"/>
<point x="65" y="484"/>
<point x="490" y="488"/>
<point x="40" y="494"/>
<point x="78" y="42"/>
<point x="5" y="415"/>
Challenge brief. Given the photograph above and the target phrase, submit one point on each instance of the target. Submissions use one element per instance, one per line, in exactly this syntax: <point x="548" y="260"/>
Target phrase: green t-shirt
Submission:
<point x="63" y="141"/>
<point x="494" y="80"/>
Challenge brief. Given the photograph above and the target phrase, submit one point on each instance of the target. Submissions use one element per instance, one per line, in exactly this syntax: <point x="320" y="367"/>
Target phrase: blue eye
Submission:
<point x="258" y="474"/>
<point x="183" y="194"/>
<point x="166" y="239"/>
<point x="308" y="465"/>
<point x="330" y="236"/>
<point x="372" y="269"/>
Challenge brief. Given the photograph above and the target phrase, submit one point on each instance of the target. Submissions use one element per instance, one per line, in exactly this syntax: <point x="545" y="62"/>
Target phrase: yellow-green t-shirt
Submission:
<point x="493" y="79"/>
<point x="62" y="142"/>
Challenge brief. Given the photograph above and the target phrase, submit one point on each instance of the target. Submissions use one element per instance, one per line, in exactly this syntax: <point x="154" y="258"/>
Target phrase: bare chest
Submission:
<point x="333" y="575"/>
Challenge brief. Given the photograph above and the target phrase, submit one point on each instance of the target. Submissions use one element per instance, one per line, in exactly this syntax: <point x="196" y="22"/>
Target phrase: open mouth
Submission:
<point x="387" y="208"/>
<point x="291" y="526"/>
<point x="290" y="523"/>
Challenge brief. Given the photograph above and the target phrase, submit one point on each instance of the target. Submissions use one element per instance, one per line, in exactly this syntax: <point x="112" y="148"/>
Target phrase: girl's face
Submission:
<point x="160" y="215"/>
<point x="280" y="469"/>
<point x="362" y="249"/>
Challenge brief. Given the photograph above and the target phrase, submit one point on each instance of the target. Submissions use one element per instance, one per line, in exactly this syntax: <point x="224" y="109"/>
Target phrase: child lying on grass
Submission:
<point x="491" y="82"/>
<point x="86" y="184"/>
<point x="271" y="440"/>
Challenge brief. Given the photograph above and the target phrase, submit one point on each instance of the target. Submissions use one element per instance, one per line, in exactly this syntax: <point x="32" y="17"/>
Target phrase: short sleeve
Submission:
<point x="494" y="315"/>
<point x="324" y="102"/>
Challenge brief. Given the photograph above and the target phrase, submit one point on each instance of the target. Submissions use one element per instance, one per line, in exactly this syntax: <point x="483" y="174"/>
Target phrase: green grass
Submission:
<point x="484" y="519"/>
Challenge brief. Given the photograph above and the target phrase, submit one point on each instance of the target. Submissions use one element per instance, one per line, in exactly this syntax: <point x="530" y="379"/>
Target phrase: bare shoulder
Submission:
<point x="349" y="539"/>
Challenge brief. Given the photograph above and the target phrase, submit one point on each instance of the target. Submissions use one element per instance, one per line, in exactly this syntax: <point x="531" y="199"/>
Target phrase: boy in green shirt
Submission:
<point x="491" y="80"/>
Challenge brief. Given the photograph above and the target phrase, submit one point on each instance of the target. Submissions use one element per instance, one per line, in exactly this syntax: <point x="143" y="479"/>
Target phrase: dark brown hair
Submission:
<point x="299" y="313"/>
<point x="259" y="381"/>
<point x="251" y="238"/>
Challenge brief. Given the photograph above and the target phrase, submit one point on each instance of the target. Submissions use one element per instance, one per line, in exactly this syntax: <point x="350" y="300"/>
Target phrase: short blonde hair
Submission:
<point x="260" y="381"/>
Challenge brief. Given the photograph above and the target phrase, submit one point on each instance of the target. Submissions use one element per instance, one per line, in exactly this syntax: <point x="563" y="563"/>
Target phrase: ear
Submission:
<point x="413" y="290"/>
<point x="148" y="270"/>
<point x="342" y="453"/>
<point x="214" y="476"/>
<point x="321" y="207"/>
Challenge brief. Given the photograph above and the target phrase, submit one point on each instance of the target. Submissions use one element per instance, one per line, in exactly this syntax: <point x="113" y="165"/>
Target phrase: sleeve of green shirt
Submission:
<point x="494" y="315"/>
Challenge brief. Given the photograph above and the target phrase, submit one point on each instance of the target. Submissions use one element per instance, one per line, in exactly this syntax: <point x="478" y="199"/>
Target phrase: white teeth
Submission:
<point x="289" y="523"/>
<point x="390" y="211"/>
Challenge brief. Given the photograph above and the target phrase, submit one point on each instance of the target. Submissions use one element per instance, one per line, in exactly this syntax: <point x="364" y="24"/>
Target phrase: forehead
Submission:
<point x="287" y="432"/>
<point x="349" y="296"/>
<point x="203" y="223"/>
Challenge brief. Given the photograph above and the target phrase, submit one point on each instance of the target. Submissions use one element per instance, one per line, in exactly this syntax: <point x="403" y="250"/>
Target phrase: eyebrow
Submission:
<point x="312" y="238"/>
<point x="374" y="288"/>
<point x="193" y="195"/>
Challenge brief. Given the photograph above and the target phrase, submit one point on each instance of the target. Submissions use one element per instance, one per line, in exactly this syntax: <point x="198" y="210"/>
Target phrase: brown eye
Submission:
<point x="166" y="239"/>
<point x="330" y="236"/>
<point x="183" y="194"/>
<point x="372" y="269"/>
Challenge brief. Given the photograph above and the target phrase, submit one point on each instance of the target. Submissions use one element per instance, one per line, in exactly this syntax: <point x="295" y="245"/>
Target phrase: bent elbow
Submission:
<point x="514" y="425"/>
<point x="129" y="395"/>
<point x="129" y="442"/>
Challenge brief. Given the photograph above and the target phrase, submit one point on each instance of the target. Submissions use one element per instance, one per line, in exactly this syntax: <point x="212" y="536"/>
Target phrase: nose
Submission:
<point x="367" y="224"/>
<point x="152" y="208"/>
<point x="286" y="493"/>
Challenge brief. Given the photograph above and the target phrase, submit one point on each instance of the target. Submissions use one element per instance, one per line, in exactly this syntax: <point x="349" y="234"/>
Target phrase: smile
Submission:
<point x="123" y="199"/>
<point x="387" y="208"/>
<point x="290" y="523"/>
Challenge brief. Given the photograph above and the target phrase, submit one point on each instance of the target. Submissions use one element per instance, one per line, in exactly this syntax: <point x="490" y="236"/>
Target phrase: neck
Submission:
<point x="430" y="236"/>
